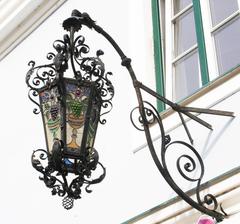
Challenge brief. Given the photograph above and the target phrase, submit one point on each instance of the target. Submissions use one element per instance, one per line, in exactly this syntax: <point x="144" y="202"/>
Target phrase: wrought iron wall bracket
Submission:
<point x="148" y="115"/>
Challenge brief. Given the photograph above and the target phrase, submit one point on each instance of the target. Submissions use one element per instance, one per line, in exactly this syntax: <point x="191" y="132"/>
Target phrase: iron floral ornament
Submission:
<point x="70" y="50"/>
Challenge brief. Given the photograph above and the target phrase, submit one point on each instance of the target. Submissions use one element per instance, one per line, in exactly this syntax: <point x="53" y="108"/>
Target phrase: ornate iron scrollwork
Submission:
<point x="54" y="174"/>
<point x="92" y="68"/>
<point x="189" y="165"/>
<point x="55" y="167"/>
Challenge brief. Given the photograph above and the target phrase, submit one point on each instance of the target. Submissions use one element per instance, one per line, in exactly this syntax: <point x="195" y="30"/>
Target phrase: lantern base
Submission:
<point x="67" y="202"/>
<point x="64" y="177"/>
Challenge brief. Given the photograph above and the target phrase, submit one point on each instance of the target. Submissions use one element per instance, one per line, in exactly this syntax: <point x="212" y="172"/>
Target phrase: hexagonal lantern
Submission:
<point x="70" y="109"/>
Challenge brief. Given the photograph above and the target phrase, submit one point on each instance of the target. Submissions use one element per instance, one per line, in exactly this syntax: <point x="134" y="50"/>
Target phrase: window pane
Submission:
<point x="179" y="5"/>
<point x="185" y="34"/>
<point x="227" y="46"/>
<point x="221" y="9"/>
<point x="187" y="76"/>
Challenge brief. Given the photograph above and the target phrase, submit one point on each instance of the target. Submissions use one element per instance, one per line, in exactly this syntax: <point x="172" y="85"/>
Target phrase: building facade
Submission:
<point x="196" y="64"/>
<point x="186" y="50"/>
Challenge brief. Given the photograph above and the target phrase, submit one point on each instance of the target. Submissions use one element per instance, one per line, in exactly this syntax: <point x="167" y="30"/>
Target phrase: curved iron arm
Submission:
<point x="149" y="115"/>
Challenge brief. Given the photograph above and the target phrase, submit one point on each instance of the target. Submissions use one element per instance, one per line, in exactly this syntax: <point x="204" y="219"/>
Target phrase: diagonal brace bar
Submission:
<point x="185" y="110"/>
<point x="208" y="111"/>
<point x="186" y="128"/>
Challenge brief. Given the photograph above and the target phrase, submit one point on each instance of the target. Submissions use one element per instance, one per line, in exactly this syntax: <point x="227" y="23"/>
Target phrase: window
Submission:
<point x="185" y="59"/>
<point x="225" y="31"/>
<point x="186" y="28"/>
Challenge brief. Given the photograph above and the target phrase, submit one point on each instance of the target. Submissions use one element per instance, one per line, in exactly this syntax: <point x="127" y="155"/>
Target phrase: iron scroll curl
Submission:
<point x="42" y="161"/>
<point x="208" y="203"/>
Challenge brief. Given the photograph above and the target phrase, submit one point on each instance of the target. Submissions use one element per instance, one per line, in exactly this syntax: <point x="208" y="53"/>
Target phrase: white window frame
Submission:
<point x="171" y="59"/>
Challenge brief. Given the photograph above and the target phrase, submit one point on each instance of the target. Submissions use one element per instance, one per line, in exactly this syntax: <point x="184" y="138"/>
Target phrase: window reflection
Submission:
<point x="185" y="34"/>
<point x="221" y="9"/>
<point x="187" y="76"/>
<point x="179" y="5"/>
<point x="227" y="46"/>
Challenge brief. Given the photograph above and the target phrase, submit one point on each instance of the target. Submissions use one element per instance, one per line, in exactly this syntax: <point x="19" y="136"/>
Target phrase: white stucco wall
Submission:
<point x="133" y="183"/>
<point x="24" y="198"/>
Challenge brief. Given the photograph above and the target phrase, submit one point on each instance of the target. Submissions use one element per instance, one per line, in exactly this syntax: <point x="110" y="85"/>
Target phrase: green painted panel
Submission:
<point x="158" y="57"/>
<point x="201" y="42"/>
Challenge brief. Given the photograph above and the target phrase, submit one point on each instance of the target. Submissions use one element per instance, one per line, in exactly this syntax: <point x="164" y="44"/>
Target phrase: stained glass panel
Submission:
<point x="82" y="116"/>
<point x="51" y="112"/>
<point x="77" y="104"/>
<point x="93" y="124"/>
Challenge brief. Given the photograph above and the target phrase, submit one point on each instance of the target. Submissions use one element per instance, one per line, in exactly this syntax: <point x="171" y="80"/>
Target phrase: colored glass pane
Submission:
<point x="77" y="103"/>
<point x="93" y="124"/>
<point x="51" y="111"/>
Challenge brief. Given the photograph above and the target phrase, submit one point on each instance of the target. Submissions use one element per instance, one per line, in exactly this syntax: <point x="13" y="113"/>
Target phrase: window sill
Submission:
<point x="201" y="94"/>
<point x="225" y="187"/>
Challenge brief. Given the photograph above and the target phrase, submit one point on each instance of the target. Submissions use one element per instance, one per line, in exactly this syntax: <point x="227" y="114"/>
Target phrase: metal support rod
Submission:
<point x="208" y="111"/>
<point x="185" y="127"/>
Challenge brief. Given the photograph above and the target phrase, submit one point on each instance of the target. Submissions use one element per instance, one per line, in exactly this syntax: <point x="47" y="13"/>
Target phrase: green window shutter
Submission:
<point x="158" y="57"/>
<point x="201" y="42"/>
